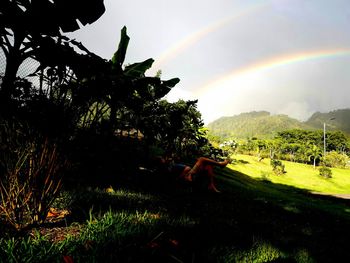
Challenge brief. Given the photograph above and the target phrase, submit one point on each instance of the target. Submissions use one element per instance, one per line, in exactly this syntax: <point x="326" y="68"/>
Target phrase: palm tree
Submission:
<point x="314" y="153"/>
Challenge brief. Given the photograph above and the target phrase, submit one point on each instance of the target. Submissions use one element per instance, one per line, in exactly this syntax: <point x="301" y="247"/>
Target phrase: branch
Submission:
<point x="5" y="50"/>
<point x="6" y="46"/>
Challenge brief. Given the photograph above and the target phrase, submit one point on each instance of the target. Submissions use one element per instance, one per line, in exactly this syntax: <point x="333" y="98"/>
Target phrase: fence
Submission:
<point x="26" y="68"/>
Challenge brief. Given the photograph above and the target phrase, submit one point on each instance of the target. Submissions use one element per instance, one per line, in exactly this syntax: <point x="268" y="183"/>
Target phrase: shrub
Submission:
<point x="334" y="159"/>
<point x="277" y="167"/>
<point x="326" y="172"/>
<point x="30" y="176"/>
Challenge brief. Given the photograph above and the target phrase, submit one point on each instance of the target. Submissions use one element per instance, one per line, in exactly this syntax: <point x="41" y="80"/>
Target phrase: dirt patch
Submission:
<point x="343" y="196"/>
<point x="57" y="234"/>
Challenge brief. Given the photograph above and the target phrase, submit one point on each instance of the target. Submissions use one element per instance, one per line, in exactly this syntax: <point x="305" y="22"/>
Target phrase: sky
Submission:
<point x="283" y="56"/>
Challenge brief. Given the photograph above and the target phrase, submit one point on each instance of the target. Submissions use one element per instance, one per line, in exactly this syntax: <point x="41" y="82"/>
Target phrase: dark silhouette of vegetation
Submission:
<point x="27" y="25"/>
<point x="101" y="116"/>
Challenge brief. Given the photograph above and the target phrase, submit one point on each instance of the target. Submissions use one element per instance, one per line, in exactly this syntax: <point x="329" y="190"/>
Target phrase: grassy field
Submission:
<point x="297" y="175"/>
<point x="256" y="218"/>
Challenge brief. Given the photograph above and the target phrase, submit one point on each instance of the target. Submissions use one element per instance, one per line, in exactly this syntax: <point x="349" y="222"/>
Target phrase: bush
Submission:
<point x="30" y="176"/>
<point x="326" y="172"/>
<point x="277" y="167"/>
<point x="334" y="159"/>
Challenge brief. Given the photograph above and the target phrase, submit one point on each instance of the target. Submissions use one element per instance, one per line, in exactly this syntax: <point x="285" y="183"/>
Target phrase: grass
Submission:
<point x="254" y="219"/>
<point x="298" y="175"/>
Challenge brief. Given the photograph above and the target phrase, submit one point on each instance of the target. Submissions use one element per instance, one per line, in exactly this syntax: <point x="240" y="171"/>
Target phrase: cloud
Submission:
<point x="198" y="41"/>
<point x="297" y="89"/>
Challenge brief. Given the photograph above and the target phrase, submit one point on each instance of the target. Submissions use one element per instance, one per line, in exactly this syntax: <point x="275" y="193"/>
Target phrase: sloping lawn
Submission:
<point x="297" y="175"/>
<point x="152" y="219"/>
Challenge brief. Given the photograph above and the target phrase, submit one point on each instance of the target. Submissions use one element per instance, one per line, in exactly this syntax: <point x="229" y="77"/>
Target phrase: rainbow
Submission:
<point x="272" y="63"/>
<point x="190" y="40"/>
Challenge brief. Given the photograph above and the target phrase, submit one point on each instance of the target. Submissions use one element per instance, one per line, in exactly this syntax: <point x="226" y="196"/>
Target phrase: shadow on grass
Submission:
<point x="247" y="214"/>
<point x="249" y="221"/>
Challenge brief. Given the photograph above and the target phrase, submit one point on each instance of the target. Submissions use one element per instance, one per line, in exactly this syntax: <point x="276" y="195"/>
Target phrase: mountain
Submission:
<point x="334" y="120"/>
<point x="262" y="124"/>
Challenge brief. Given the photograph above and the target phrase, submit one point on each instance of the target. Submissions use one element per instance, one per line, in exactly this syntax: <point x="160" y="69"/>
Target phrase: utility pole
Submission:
<point x="324" y="140"/>
<point x="324" y="137"/>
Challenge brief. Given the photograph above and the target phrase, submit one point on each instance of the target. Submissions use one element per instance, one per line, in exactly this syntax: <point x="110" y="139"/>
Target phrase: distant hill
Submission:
<point x="335" y="120"/>
<point x="262" y="124"/>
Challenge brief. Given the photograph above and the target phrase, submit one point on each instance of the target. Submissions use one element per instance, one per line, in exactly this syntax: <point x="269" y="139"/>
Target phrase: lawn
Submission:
<point x="152" y="219"/>
<point x="297" y="175"/>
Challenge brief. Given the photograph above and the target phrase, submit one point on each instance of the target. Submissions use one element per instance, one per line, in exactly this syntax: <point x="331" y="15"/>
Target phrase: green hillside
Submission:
<point x="262" y="124"/>
<point x="253" y="124"/>
<point x="335" y="120"/>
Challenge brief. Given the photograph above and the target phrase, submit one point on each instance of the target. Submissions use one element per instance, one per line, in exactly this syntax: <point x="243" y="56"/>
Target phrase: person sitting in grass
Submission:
<point x="203" y="167"/>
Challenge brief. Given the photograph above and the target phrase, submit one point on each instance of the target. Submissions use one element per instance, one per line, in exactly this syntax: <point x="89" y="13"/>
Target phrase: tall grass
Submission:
<point x="105" y="236"/>
<point x="30" y="175"/>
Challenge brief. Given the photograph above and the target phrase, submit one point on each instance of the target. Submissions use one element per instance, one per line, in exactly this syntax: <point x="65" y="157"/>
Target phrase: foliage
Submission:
<point x="303" y="146"/>
<point x="314" y="153"/>
<point x="175" y="127"/>
<point x="325" y="172"/>
<point x="24" y="23"/>
<point x="253" y="124"/>
<point x="81" y="93"/>
<point x="214" y="153"/>
<point x="263" y="125"/>
<point x="229" y="146"/>
<point x="335" y="159"/>
<point x="31" y="175"/>
<point x="84" y="105"/>
<point x="337" y="141"/>
<point x="131" y="94"/>
<point x="277" y="167"/>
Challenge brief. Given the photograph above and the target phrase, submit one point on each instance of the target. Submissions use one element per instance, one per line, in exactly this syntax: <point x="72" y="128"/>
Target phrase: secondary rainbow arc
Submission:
<point x="278" y="61"/>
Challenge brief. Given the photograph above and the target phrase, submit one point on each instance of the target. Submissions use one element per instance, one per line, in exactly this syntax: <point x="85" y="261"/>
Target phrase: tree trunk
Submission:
<point x="112" y="117"/>
<point x="14" y="59"/>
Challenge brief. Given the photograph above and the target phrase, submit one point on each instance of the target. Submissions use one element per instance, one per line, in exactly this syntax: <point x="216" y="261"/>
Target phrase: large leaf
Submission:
<point x="138" y="69"/>
<point x="165" y="87"/>
<point x="171" y="82"/>
<point x="86" y="12"/>
<point x="49" y="16"/>
<point x="119" y="56"/>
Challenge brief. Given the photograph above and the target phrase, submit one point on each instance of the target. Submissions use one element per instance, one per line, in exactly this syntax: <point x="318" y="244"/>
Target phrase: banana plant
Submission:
<point x="131" y="88"/>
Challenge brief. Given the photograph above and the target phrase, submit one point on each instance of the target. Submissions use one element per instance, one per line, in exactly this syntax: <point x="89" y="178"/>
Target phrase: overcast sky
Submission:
<point x="283" y="56"/>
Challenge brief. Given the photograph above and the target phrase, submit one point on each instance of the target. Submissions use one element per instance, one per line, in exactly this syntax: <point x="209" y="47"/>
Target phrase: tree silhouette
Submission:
<point x="24" y="23"/>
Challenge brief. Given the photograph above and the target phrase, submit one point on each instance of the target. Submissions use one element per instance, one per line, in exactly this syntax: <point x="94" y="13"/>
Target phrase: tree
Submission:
<point x="175" y="127"/>
<point x="335" y="159"/>
<point x="274" y="147"/>
<point x="24" y="23"/>
<point x="314" y="153"/>
<point x="128" y="89"/>
<point x="261" y="147"/>
<point x="337" y="141"/>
